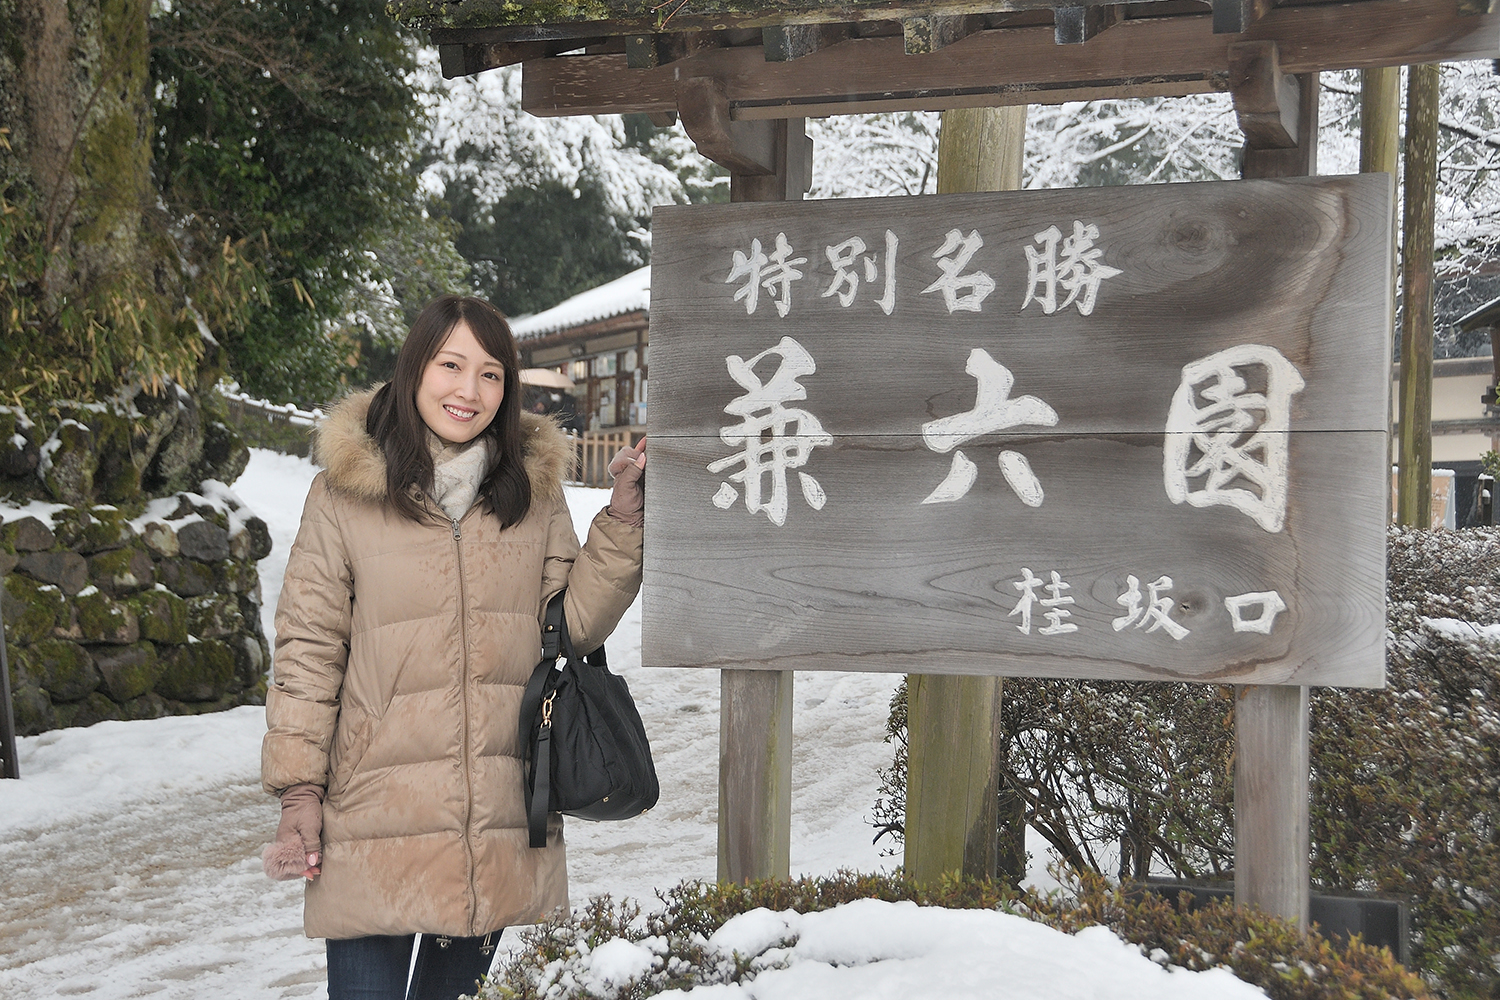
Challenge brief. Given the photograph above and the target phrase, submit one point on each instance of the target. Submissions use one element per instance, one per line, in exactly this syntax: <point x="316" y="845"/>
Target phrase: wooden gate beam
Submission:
<point x="1012" y="66"/>
<point x="1266" y="100"/>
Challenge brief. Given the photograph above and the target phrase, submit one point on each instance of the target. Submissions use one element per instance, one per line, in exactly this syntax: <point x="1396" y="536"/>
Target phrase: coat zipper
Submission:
<point x="463" y="680"/>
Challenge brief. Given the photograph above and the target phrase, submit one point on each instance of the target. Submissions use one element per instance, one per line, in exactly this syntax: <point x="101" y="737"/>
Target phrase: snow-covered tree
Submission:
<point x="546" y="207"/>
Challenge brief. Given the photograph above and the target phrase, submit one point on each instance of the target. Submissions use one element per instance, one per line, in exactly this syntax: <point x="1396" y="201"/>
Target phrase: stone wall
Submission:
<point x="116" y="618"/>
<point x="126" y="595"/>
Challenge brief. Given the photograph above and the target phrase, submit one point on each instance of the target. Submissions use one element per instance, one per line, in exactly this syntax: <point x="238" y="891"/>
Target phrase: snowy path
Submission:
<point x="137" y="903"/>
<point x="130" y="851"/>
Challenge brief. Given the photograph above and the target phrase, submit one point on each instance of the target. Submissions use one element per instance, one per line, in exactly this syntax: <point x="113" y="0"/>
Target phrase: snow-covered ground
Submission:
<point x="130" y="850"/>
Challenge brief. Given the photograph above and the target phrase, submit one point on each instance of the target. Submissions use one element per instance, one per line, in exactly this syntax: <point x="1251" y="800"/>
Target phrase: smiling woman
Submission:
<point x="462" y="388"/>
<point x="407" y="628"/>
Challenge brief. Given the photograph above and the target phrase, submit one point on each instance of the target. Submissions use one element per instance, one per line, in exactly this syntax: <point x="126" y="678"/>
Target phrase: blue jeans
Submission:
<point x="375" y="968"/>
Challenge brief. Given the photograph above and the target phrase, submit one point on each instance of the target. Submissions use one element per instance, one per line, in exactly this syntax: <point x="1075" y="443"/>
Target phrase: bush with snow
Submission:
<point x="1137" y="779"/>
<point x="866" y="935"/>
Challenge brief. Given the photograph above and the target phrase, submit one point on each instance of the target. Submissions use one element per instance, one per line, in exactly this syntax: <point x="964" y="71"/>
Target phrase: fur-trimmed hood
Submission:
<point x="356" y="464"/>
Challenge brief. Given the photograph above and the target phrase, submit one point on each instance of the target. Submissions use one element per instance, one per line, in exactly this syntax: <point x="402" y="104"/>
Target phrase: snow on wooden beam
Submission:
<point x="1021" y="65"/>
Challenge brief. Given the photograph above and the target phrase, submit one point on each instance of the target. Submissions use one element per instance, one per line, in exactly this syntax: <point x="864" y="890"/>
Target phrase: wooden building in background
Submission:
<point x="598" y="339"/>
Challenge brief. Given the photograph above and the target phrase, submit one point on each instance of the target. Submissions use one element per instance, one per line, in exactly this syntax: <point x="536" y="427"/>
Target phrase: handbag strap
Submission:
<point x="539" y="793"/>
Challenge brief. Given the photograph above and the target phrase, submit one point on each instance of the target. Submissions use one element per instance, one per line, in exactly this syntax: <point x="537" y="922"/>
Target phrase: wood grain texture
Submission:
<point x="877" y="580"/>
<point x="1271" y="845"/>
<point x="755" y="775"/>
<point x="953" y="752"/>
<point x="1169" y="55"/>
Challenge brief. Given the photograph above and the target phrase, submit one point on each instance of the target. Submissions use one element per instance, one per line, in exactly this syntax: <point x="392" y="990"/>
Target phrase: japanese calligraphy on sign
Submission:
<point x="1131" y="433"/>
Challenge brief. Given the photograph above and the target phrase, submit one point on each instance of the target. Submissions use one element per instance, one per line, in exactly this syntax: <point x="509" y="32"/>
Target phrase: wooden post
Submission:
<point x="1414" y="410"/>
<point x="1271" y="838"/>
<point x="7" y="713"/>
<point x="1379" y="141"/>
<point x="755" y="774"/>
<point x="768" y="161"/>
<point x="953" y="723"/>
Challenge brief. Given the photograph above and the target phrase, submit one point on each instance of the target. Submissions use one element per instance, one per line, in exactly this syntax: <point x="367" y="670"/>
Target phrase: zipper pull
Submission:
<point x="456" y="534"/>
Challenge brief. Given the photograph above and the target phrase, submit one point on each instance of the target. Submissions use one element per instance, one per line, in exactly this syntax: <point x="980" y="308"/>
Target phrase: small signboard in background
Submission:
<point x="1128" y="433"/>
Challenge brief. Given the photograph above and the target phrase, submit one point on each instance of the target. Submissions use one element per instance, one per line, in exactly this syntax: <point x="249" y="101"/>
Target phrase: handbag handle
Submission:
<point x="555" y="640"/>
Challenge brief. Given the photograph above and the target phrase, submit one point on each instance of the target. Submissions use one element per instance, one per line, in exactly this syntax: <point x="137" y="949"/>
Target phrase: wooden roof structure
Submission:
<point x="808" y="58"/>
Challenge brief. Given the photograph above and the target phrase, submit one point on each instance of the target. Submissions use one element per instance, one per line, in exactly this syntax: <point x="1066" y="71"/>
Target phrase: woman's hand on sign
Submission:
<point x="627" y="502"/>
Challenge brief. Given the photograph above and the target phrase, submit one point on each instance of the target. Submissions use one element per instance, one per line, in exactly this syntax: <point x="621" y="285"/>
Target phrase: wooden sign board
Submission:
<point x="1131" y="433"/>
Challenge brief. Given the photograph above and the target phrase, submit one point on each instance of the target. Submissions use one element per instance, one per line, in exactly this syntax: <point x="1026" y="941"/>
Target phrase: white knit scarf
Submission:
<point x="457" y="471"/>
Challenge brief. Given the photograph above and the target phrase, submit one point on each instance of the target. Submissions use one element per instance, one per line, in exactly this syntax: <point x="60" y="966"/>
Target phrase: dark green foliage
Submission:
<point x="1405" y="782"/>
<point x="290" y="125"/>
<point x="538" y="245"/>
<point x="1265" y="951"/>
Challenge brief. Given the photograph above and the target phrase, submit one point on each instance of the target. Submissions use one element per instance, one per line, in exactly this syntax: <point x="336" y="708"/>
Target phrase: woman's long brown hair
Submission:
<point x="395" y="424"/>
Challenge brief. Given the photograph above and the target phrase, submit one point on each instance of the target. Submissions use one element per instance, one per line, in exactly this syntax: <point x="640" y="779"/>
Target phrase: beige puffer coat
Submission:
<point x="402" y="651"/>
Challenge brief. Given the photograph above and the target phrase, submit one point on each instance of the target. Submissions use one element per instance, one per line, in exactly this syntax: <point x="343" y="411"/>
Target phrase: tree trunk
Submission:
<point x="1414" y="462"/>
<point x="81" y="132"/>
<point x="953" y="723"/>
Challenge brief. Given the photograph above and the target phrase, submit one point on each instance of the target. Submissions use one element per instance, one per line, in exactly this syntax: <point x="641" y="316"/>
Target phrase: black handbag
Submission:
<point x="586" y="751"/>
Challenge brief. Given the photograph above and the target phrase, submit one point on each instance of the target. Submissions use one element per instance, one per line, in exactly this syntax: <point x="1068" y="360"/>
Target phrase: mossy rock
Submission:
<point x="158" y="415"/>
<point x="203" y="541"/>
<point x="180" y="452"/>
<point x="232" y="577"/>
<point x="18" y="448"/>
<point x="224" y="454"/>
<point x="26" y="534"/>
<point x="161" y="615"/>
<point x="106" y="527"/>
<point x="252" y="542"/>
<point x="250" y="661"/>
<point x="30" y="608"/>
<point x="69" y="525"/>
<point x="93" y="709"/>
<point x="33" y="710"/>
<point x="16" y="663"/>
<point x="69" y="463"/>
<point x="104" y="619"/>
<point x="128" y="671"/>
<point x="65" y="670"/>
<point x="147" y="706"/>
<point x="185" y="577"/>
<point x="198" y="672"/>
<point x="160" y="538"/>
<point x="205" y="510"/>
<point x="65" y="570"/>
<point x="122" y="571"/>
<point x="214" y="616"/>
<point x="116" y="475"/>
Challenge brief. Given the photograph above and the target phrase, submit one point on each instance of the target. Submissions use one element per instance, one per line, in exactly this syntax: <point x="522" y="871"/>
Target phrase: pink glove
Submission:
<point x="298" y="846"/>
<point x="628" y="500"/>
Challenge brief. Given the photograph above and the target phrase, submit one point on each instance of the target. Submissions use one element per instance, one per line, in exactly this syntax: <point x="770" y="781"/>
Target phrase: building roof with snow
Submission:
<point x="627" y="294"/>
